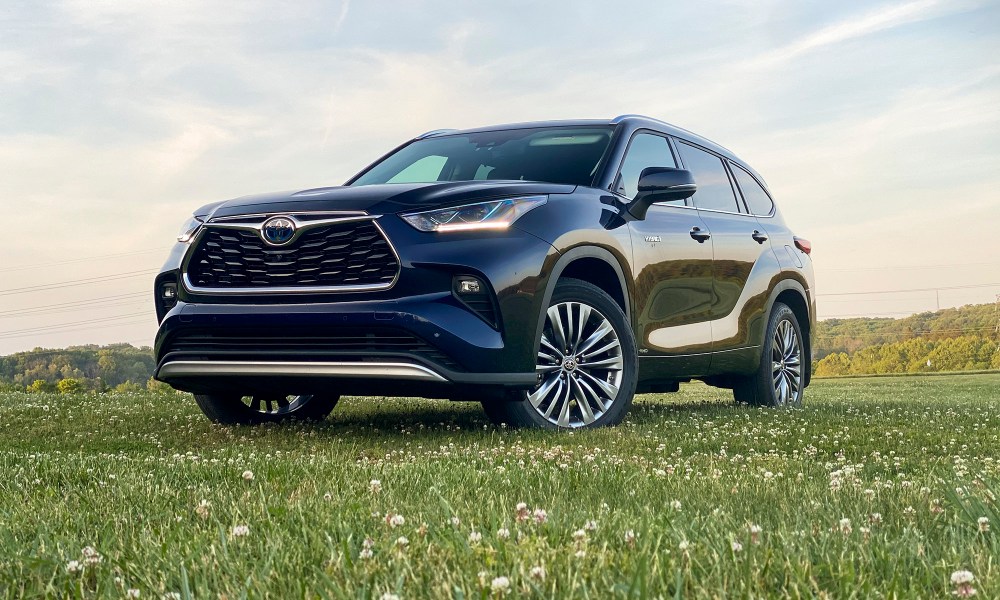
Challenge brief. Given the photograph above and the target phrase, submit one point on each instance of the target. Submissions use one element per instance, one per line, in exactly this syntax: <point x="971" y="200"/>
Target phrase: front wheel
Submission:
<point x="586" y="363"/>
<point x="779" y="380"/>
<point x="233" y="409"/>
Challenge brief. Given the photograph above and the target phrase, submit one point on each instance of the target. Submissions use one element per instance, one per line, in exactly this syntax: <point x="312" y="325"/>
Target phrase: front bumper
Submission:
<point x="417" y="338"/>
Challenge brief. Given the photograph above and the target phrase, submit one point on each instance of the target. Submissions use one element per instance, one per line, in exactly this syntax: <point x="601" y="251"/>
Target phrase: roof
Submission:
<point x="633" y="121"/>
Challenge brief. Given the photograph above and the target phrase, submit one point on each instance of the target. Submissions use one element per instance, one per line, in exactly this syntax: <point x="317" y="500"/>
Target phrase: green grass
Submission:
<point x="125" y="473"/>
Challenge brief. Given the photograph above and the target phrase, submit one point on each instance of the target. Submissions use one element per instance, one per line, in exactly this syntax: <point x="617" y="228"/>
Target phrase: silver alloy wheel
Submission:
<point x="786" y="363"/>
<point x="580" y="366"/>
<point x="275" y="405"/>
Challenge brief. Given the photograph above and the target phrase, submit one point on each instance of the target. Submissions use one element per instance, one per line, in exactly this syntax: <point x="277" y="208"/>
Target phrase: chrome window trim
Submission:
<point x="300" y="226"/>
<point x="237" y="368"/>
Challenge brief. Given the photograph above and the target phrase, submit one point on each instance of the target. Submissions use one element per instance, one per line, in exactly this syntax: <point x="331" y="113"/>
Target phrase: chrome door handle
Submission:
<point x="698" y="234"/>
<point x="758" y="237"/>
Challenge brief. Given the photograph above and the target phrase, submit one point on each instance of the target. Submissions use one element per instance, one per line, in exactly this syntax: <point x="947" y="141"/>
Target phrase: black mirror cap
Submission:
<point x="661" y="184"/>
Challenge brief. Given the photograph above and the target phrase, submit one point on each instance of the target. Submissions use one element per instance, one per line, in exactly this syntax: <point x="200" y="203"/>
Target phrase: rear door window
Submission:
<point x="645" y="150"/>
<point x="715" y="192"/>
<point x="757" y="199"/>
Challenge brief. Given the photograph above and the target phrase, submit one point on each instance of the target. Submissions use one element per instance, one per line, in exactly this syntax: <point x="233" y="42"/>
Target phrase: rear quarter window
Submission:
<point x="757" y="199"/>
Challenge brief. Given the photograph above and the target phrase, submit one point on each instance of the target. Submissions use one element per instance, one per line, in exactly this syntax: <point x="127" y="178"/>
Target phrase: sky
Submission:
<point x="875" y="124"/>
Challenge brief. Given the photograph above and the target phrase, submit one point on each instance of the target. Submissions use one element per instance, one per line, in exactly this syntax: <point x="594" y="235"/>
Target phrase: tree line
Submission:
<point x="77" y="369"/>
<point x="952" y="339"/>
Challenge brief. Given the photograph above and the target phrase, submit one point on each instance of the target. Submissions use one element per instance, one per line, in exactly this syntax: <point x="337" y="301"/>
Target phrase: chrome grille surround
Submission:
<point x="305" y="223"/>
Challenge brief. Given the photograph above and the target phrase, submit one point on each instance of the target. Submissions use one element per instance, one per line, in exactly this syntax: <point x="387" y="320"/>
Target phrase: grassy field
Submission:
<point x="877" y="488"/>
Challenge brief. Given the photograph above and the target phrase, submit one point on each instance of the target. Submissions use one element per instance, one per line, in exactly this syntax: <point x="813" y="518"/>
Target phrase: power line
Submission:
<point x="71" y="330"/>
<point x="6" y="334"/>
<point x="44" y="308"/>
<point x="933" y="289"/>
<point x="911" y="267"/>
<point x="75" y="282"/>
<point x="79" y="260"/>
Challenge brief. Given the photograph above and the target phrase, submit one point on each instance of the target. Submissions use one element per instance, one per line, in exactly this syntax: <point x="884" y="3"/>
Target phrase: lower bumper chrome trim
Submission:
<point x="354" y="370"/>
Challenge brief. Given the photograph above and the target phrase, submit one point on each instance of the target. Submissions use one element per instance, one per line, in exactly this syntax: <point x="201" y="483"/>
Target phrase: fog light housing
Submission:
<point x="467" y="285"/>
<point x="168" y="295"/>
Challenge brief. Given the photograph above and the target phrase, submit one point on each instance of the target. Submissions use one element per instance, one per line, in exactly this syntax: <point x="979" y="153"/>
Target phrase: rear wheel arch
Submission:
<point x="792" y="294"/>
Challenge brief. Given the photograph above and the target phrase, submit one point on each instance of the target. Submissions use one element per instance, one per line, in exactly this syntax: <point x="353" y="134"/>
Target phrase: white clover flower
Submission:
<point x="74" y="566"/>
<point x="541" y="516"/>
<point x="389" y="596"/>
<point x="393" y="520"/>
<point x="537" y="573"/>
<point x="248" y="475"/>
<point x="328" y="496"/>
<point x="91" y="556"/>
<point x="455" y="521"/>
<point x="684" y="546"/>
<point x="500" y="585"/>
<point x="875" y="518"/>
<point x="590" y="525"/>
<point x="131" y="593"/>
<point x="960" y="577"/>
<point x="984" y="524"/>
<point x="203" y="509"/>
<point x="402" y="542"/>
<point x="675" y="504"/>
<point x="737" y="547"/>
<point x="374" y="486"/>
<point x="962" y="580"/>
<point x="475" y="537"/>
<point x="503" y="533"/>
<point x="581" y="554"/>
<point x="579" y="535"/>
<point x="845" y="526"/>
<point x="241" y="531"/>
<point x="630" y="537"/>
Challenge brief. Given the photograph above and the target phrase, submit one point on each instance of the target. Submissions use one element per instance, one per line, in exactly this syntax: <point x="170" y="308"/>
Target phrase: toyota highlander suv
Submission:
<point x="550" y="271"/>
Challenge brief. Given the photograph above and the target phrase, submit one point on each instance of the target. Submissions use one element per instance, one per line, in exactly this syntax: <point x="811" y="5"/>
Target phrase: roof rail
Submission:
<point x="621" y="118"/>
<point x="433" y="132"/>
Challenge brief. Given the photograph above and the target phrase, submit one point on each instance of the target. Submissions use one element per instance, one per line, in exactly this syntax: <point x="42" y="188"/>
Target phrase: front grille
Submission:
<point x="314" y="343"/>
<point x="349" y="254"/>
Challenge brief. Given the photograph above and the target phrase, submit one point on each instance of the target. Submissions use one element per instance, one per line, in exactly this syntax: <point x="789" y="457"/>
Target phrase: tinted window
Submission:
<point x="646" y="150"/>
<point x="714" y="190"/>
<point x="552" y="154"/>
<point x="757" y="199"/>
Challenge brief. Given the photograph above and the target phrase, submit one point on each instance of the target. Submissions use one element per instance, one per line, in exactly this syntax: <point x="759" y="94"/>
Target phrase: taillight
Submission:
<point x="803" y="244"/>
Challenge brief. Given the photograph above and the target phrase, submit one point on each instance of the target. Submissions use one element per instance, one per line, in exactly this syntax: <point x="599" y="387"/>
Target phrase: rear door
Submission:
<point x="743" y="261"/>
<point x="673" y="271"/>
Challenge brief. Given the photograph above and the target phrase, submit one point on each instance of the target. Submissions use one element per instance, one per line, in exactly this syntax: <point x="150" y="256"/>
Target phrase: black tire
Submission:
<point x="605" y="381"/>
<point x="233" y="409"/>
<point x="763" y="387"/>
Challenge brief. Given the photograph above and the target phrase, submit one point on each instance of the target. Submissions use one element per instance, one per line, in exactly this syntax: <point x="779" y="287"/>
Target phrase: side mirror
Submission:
<point x="661" y="184"/>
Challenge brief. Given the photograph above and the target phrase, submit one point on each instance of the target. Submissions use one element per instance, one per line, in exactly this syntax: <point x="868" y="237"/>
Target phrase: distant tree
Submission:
<point x="70" y="386"/>
<point x="128" y="387"/>
<point x="40" y="385"/>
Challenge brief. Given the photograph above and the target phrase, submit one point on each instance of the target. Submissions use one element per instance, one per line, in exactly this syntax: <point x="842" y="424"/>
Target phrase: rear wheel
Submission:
<point x="232" y="409"/>
<point x="780" y="377"/>
<point x="586" y="362"/>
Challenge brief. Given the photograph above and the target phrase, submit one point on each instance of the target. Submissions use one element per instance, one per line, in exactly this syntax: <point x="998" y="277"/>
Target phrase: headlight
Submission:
<point x="189" y="229"/>
<point x="495" y="214"/>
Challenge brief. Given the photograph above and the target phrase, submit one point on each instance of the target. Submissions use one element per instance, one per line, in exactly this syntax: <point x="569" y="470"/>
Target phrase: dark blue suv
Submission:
<point x="548" y="270"/>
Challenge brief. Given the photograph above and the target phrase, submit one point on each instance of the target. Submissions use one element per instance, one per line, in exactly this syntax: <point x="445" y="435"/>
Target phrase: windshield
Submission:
<point x="567" y="155"/>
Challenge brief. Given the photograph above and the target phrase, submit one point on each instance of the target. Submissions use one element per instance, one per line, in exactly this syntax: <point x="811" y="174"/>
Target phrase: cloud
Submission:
<point x="852" y="28"/>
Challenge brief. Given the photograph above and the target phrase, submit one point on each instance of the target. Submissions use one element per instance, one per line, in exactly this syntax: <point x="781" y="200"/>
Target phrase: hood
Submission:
<point x="380" y="199"/>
